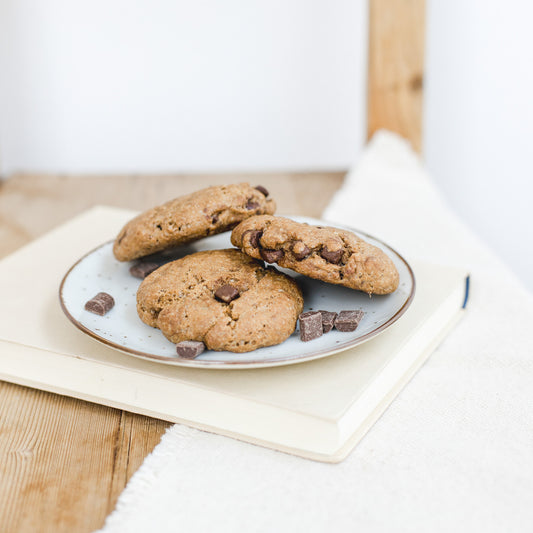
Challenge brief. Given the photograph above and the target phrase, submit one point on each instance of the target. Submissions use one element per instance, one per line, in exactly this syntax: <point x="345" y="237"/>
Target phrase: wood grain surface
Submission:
<point x="396" y="68"/>
<point x="64" y="462"/>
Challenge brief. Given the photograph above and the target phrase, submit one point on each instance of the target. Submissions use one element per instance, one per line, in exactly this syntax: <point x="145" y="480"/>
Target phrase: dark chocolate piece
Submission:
<point x="271" y="256"/>
<point x="226" y="293"/>
<point x="253" y="237"/>
<point x="348" y="320"/>
<point x="141" y="270"/>
<point x="96" y="306"/>
<point x="262" y="190"/>
<point x="331" y="257"/>
<point x="250" y="205"/>
<point x="310" y="325"/>
<point x="300" y="250"/>
<point x="100" y="304"/>
<point x="328" y="320"/>
<point x="214" y="218"/>
<point x="106" y="298"/>
<point x="190" y="349"/>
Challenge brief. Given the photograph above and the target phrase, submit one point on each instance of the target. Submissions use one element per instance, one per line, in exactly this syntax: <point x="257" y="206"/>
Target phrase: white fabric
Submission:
<point x="454" y="452"/>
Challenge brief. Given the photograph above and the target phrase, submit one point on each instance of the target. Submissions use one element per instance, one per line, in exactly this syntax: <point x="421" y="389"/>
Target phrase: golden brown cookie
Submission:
<point x="325" y="253"/>
<point x="223" y="298"/>
<point x="189" y="218"/>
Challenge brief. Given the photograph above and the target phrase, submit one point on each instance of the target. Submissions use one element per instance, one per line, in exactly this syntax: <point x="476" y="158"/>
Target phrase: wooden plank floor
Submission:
<point x="64" y="462"/>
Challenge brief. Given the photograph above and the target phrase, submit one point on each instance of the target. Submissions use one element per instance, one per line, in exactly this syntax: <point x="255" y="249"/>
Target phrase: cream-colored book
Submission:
<point x="319" y="409"/>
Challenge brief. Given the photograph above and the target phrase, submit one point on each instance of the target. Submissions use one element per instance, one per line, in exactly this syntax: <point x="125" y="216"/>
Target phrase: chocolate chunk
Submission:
<point x="310" y="325"/>
<point x="214" y="218"/>
<point x="328" y="320"/>
<point x="262" y="190"/>
<point x="226" y="293"/>
<point x="271" y="256"/>
<point x="190" y="349"/>
<point x="300" y="250"/>
<point x="250" y="205"/>
<point x="141" y="270"/>
<point x="253" y="237"/>
<point x="106" y="298"/>
<point x="96" y="306"/>
<point x="348" y="320"/>
<point x="331" y="257"/>
<point x="100" y="304"/>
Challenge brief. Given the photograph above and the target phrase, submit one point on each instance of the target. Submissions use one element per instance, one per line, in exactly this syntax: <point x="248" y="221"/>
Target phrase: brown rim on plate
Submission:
<point x="260" y="363"/>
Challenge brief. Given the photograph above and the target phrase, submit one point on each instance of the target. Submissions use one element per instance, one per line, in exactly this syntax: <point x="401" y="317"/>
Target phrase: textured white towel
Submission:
<point x="454" y="452"/>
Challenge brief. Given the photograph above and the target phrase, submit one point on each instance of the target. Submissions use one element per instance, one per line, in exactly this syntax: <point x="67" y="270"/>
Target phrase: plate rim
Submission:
<point x="239" y="365"/>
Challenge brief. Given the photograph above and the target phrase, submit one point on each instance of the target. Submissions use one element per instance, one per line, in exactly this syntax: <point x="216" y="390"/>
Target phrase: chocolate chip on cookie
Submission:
<point x="300" y="250"/>
<point x="189" y="218"/>
<point x="262" y="190"/>
<point x="223" y="298"/>
<point x="253" y="237"/>
<point x="332" y="257"/>
<point x="271" y="256"/>
<point x="329" y="254"/>
<point x="226" y="293"/>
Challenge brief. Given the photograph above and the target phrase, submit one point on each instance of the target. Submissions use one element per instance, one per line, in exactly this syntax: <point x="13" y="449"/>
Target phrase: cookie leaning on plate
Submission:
<point x="223" y="298"/>
<point x="191" y="217"/>
<point x="329" y="254"/>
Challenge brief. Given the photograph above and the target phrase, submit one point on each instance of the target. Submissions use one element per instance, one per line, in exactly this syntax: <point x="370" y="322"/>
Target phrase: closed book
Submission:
<point x="319" y="409"/>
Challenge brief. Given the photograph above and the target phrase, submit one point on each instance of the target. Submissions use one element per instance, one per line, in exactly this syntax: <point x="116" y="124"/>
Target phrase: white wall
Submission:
<point x="479" y="119"/>
<point x="174" y="85"/>
<point x="169" y="85"/>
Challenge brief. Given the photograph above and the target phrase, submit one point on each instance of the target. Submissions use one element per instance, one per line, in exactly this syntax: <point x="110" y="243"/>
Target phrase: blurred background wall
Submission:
<point x="478" y="129"/>
<point x="172" y="85"/>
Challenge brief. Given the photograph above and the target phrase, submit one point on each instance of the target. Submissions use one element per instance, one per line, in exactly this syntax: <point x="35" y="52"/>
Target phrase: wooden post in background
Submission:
<point x="396" y="68"/>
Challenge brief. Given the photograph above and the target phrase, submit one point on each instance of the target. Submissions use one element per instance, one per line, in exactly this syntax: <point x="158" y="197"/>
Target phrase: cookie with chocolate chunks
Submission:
<point x="329" y="254"/>
<point x="189" y="218"/>
<point x="223" y="298"/>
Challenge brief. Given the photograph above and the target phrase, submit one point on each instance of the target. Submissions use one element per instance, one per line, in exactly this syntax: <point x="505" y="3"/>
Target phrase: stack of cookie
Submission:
<point x="228" y="299"/>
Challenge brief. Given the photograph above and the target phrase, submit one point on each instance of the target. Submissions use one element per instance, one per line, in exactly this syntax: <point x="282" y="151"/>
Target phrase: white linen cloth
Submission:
<point x="454" y="451"/>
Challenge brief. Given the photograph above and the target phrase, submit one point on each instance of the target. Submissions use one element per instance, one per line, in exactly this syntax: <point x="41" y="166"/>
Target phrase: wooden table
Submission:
<point x="64" y="462"/>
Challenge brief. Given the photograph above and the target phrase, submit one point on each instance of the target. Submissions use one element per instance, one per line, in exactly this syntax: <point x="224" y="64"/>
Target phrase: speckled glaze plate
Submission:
<point x="121" y="328"/>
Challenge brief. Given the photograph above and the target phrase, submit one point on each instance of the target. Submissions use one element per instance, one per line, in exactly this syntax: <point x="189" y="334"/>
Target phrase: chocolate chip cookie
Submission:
<point x="325" y="253"/>
<point x="189" y="218"/>
<point x="223" y="298"/>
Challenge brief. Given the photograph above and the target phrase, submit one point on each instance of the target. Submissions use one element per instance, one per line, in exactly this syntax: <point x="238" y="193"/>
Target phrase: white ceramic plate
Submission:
<point x="122" y="329"/>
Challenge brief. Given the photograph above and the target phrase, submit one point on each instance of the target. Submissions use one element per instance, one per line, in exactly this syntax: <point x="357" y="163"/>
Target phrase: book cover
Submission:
<point x="319" y="409"/>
